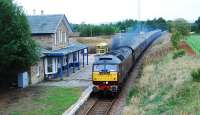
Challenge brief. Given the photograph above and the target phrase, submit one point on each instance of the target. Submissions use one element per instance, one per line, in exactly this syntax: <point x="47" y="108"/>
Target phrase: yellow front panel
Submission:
<point x="112" y="76"/>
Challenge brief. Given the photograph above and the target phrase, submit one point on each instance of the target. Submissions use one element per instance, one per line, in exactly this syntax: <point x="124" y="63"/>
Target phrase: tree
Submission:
<point x="176" y="38"/>
<point x="161" y="24"/>
<point x="17" y="50"/>
<point x="181" y="25"/>
<point x="197" y="25"/>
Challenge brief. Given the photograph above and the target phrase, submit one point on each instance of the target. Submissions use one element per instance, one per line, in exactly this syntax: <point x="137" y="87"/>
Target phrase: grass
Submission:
<point x="194" y="42"/>
<point x="178" y="53"/>
<point x="166" y="87"/>
<point x="196" y="75"/>
<point x="50" y="101"/>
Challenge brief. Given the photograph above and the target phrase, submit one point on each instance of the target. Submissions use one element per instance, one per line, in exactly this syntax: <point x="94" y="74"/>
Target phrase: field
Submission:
<point x="93" y="41"/>
<point x="40" y="101"/>
<point x="194" y="42"/>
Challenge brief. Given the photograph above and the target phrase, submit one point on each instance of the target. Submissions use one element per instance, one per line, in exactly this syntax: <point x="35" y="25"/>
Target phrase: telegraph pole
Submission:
<point x="139" y="14"/>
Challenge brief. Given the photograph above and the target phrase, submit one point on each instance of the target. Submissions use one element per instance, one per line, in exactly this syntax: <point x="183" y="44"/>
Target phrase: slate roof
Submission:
<point x="45" y="24"/>
<point x="64" y="51"/>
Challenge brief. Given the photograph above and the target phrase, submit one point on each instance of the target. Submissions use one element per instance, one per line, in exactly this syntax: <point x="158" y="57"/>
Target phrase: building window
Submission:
<point x="50" y="65"/>
<point x="60" y="36"/>
<point x="65" y="37"/>
<point x="37" y="70"/>
<point x="55" y="40"/>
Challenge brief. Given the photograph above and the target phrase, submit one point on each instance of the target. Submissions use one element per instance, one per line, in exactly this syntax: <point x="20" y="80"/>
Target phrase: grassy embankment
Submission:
<point x="45" y="101"/>
<point x="166" y="87"/>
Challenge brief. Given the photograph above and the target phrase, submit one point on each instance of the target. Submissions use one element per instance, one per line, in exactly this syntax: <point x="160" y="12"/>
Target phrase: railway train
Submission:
<point x="110" y="70"/>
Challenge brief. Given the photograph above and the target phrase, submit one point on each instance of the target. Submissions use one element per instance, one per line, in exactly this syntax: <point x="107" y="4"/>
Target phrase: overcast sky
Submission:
<point x="101" y="11"/>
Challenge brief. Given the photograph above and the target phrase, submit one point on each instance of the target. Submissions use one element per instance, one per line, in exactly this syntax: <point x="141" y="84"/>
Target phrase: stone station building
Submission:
<point x="59" y="57"/>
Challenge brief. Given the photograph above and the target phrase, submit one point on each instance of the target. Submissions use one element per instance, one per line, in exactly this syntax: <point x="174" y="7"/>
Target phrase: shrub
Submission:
<point x="176" y="38"/>
<point x="196" y="75"/>
<point x="133" y="92"/>
<point x="178" y="53"/>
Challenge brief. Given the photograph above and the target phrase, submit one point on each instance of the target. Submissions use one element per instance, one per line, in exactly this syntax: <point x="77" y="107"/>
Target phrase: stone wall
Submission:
<point x="33" y="77"/>
<point x="45" y="40"/>
<point x="48" y="41"/>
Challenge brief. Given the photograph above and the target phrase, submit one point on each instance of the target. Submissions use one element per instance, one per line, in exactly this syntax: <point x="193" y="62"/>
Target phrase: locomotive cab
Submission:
<point x="105" y="74"/>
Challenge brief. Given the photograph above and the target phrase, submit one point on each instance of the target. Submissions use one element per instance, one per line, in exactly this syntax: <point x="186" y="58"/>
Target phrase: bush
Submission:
<point x="176" y="38"/>
<point x="196" y="75"/>
<point x="178" y="53"/>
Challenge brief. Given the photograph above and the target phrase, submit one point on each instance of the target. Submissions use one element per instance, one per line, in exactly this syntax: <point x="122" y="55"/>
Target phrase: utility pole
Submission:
<point x="139" y="10"/>
<point x="139" y="14"/>
<point x="91" y="30"/>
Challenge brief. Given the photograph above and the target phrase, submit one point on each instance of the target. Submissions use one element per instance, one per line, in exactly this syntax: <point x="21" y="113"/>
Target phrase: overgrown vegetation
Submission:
<point x="178" y="53"/>
<point x="175" y="39"/>
<point x="166" y="87"/>
<point x="179" y="28"/>
<point x="196" y="75"/>
<point x="17" y="50"/>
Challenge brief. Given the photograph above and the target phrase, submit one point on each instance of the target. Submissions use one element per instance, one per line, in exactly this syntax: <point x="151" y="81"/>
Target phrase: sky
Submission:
<point x="104" y="11"/>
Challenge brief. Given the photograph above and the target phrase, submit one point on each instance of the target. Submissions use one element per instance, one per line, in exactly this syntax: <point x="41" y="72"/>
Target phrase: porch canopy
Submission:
<point x="72" y="49"/>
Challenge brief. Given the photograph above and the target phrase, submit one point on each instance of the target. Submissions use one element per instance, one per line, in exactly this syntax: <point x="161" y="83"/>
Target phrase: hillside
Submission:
<point x="165" y="85"/>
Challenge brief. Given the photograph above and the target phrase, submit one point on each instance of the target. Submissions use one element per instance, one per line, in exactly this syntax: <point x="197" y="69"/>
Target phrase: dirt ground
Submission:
<point x="9" y="98"/>
<point x="187" y="48"/>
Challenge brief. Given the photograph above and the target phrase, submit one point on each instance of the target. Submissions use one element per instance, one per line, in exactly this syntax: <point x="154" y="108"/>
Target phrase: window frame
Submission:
<point x="54" y="65"/>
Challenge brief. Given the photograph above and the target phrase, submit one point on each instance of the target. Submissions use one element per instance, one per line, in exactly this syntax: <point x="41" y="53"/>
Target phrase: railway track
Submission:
<point x="101" y="106"/>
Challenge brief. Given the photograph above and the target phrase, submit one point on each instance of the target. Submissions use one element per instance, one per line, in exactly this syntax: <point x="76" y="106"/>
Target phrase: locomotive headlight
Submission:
<point x="106" y="82"/>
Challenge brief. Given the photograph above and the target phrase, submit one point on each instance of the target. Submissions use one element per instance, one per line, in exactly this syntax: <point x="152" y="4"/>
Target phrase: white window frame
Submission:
<point x="65" y="37"/>
<point x="60" y="36"/>
<point x="37" y="70"/>
<point x="55" y="40"/>
<point x="54" y="64"/>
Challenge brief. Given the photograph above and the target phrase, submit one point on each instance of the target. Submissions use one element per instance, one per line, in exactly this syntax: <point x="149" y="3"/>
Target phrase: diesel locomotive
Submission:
<point x="110" y="70"/>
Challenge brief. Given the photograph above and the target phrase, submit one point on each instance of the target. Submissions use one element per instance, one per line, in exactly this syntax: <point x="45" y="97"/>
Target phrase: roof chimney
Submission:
<point x="42" y="12"/>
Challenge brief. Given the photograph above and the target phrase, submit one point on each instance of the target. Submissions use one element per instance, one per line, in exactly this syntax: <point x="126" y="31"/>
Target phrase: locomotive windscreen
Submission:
<point x="105" y="67"/>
